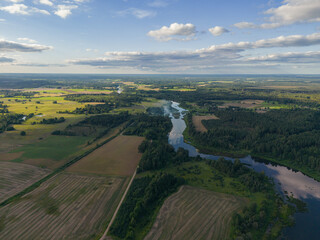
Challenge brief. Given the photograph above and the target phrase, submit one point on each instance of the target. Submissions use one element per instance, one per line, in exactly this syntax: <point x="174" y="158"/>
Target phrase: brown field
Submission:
<point x="197" y="122"/>
<point x="14" y="177"/>
<point x="118" y="157"/>
<point x="68" y="206"/>
<point x="243" y="104"/>
<point x="194" y="213"/>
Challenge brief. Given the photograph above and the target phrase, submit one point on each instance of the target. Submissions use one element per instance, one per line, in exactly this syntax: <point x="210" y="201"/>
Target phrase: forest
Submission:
<point x="286" y="134"/>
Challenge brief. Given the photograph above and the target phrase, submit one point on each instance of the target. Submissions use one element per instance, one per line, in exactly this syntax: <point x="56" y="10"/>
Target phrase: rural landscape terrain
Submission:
<point x="96" y="159"/>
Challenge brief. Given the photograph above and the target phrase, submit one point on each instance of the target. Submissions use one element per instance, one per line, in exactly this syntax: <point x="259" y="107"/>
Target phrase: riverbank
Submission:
<point x="241" y="154"/>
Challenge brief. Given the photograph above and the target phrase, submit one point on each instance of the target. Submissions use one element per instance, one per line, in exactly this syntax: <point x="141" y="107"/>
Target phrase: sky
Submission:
<point x="160" y="36"/>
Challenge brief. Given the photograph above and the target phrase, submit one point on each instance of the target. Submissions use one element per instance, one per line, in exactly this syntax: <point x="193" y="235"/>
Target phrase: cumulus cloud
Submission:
<point x="289" y="12"/>
<point x="27" y="40"/>
<point x="213" y="56"/>
<point x="217" y="30"/>
<point x="46" y="2"/>
<point x="22" y="9"/>
<point x="64" y="11"/>
<point x="10" y="46"/>
<point x="175" y="31"/>
<point x="138" y="13"/>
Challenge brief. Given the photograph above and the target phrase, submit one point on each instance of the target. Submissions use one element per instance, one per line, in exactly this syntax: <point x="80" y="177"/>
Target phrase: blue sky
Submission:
<point x="160" y="36"/>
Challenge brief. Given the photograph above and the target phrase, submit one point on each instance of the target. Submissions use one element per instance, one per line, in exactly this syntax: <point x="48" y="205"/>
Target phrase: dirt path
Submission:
<point x="104" y="236"/>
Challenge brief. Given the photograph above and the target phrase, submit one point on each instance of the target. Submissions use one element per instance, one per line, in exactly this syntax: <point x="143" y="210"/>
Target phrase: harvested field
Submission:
<point x="118" y="157"/>
<point x="68" y="206"/>
<point x="15" y="177"/>
<point x="243" y="104"/>
<point x="194" y="213"/>
<point x="197" y="122"/>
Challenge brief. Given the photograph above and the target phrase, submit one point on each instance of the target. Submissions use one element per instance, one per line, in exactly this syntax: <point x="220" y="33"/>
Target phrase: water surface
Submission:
<point x="286" y="180"/>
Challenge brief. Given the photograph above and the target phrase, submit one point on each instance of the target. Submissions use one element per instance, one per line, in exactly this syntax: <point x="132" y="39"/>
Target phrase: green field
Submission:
<point x="52" y="151"/>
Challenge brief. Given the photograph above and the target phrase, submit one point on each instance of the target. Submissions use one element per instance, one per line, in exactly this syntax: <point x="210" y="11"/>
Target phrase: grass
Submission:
<point x="54" y="148"/>
<point x="118" y="157"/>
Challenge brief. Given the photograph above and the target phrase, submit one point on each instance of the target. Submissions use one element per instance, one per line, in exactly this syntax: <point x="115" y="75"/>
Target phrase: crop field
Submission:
<point x="197" y="121"/>
<point x="194" y="213"/>
<point x="50" y="152"/>
<point x="118" y="157"/>
<point x="14" y="177"/>
<point x="68" y="206"/>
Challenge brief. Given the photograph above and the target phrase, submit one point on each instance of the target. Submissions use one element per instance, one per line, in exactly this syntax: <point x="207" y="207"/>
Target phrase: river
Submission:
<point x="286" y="180"/>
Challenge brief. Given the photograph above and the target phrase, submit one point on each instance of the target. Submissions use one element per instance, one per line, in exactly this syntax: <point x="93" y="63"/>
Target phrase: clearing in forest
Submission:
<point x="194" y="213"/>
<point x="243" y="104"/>
<point x="68" y="206"/>
<point x="14" y="177"/>
<point x="197" y="122"/>
<point x="119" y="157"/>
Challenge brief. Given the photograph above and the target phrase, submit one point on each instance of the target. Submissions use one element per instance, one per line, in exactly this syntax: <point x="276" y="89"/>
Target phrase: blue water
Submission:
<point x="286" y="180"/>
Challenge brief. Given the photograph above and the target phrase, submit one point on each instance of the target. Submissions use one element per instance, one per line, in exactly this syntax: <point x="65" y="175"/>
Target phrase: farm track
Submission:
<point x="14" y="177"/>
<point x="194" y="213"/>
<point x="84" y="206"/>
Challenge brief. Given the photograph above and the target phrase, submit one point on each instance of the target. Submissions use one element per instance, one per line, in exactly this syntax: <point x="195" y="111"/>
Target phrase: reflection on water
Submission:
<point x="296" y="183"/>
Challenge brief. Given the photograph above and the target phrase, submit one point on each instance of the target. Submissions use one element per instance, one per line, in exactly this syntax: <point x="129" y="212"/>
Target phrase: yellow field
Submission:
<point x="15" y="177"/>
<point x="197" y="122"/>
<point x="118" y="157"/>
<point x="194" y="213"/>
<point x="68" y="206"/>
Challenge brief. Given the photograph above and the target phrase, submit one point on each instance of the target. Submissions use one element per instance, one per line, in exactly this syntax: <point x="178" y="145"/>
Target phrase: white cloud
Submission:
<point x="15" y="1"/>
<point x="11" y="46"/>
<point x="214" y="56"/>
<point x="138" y="13"/>
<point x="289" y="57"/>
<point x="174" y="32"/>
<point x="2" y="20"/>
<point x="242" y="25"/>
<point x="64" y="11"/>
<point x="27" y="40"/>
<point x="46" y="2"/>
<point x="16" y="9"/>
<point x="293" y="11"/>
<point x="22" y="9"/>
<point x="289" y="12"/>
<point x="217" y="30"/>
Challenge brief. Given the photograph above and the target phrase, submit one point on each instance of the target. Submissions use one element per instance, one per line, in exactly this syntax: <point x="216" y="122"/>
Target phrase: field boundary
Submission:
<point x="118" y="207"/>
<point x="56" y="171"/>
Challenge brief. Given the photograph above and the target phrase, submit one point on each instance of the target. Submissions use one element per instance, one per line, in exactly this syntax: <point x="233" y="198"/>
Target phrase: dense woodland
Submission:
<point x="145" y="195"/>
<point x="110" y="102"/>
<point x="292" y="135"/>
<point x="88" y="126"/>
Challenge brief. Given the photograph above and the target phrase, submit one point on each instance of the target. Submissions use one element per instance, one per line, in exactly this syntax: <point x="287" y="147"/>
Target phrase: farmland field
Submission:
<point x="197" y="121"/>
<point x="194" y="213"/>
<point x="68" y="206"/>
<point x="14" y="177"/>
<point x="119" y="157"/>
<point x="50" y="152"/>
